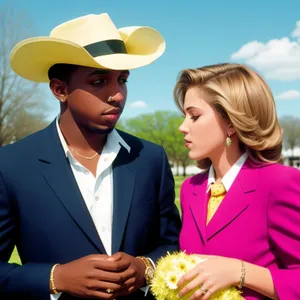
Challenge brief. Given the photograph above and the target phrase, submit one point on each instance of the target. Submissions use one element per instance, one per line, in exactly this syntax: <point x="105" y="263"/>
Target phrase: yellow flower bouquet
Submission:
<point x="168" y="271"/>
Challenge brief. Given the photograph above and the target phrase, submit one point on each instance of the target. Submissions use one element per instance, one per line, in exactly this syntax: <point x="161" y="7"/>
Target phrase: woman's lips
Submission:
<point x="187" y="143"/>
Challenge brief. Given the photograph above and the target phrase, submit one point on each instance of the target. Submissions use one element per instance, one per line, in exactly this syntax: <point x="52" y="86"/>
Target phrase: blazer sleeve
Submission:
<point x="170" y="223"/>
<point x="17" y="281"/>
<point x="284" y="233"/>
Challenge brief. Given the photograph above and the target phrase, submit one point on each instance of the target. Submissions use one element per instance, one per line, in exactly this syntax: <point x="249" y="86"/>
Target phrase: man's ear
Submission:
<point x="59" y="89"/>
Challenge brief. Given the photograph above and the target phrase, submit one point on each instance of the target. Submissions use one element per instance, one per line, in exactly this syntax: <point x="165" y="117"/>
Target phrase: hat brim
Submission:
<point x="33" y="57"/>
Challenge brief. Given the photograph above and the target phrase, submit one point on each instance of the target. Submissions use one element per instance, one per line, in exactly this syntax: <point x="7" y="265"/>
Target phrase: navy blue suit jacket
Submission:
<point x="42" y="211"/>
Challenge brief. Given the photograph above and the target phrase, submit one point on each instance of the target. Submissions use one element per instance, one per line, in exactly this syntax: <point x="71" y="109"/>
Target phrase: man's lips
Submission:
<point x="112" y="111"/>
<point x="111" y="117"/>
<point x="112" y="114"/>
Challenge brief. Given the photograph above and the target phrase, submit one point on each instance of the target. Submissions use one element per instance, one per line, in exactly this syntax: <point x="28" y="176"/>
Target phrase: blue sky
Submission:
<point x="263" y="34"/>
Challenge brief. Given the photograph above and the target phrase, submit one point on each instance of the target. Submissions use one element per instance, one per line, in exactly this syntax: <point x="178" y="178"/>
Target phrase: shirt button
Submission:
<point x="103" y="229"/>
<point x="86" y="172"/>
<point x="97" y="198"/>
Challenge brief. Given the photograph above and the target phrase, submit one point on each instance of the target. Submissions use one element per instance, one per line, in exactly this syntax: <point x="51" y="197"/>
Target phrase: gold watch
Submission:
<point x="149" y="272"/>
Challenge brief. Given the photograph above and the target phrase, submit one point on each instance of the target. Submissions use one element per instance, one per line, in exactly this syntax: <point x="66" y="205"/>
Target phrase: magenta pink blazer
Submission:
<point x="258" y="221"/>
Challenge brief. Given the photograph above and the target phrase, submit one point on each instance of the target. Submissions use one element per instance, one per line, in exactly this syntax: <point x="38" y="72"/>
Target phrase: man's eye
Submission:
<point x="123" y="80"/>
<point x="99" y="81"/>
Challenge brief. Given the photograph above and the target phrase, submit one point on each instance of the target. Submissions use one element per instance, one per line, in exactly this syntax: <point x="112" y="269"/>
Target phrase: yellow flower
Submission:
<point x="170" y="268"/>
<point x="182" y="266"/>
<point x="172" y="279"/>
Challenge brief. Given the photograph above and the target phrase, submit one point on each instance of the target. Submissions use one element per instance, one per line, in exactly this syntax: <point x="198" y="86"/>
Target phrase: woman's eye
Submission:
<point x="194" y="118"/>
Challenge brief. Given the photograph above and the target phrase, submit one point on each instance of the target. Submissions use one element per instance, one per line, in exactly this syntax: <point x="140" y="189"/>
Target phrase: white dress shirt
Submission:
<point x="97" y="192"/>
<point x="230" y="176"/>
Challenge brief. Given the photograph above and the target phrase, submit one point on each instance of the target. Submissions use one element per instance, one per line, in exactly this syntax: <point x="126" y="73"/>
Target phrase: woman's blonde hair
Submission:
<point x="243" y="98"/>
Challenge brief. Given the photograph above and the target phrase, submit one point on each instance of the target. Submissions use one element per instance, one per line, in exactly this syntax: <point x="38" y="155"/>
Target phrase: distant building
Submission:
<point x="292" y="158"/>
<point x="190" y="170"/>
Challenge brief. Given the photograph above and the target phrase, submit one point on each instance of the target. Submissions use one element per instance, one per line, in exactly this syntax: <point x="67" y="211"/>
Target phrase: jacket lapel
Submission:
<point x="236" y="200"/>
<point x="123" y="187"/>
<point x="59" y="176"/>
<point x="198" y="205"/>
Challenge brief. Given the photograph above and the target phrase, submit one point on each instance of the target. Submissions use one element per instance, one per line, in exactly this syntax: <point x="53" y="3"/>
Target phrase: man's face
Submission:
<point x="87" y="94"/>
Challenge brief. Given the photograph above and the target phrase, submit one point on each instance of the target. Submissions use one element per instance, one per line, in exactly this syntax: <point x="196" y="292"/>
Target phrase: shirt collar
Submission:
<point x="112" y="143"/>
<point x="230" y="176"/>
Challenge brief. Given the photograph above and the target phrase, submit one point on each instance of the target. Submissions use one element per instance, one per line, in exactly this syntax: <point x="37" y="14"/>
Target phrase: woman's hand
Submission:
<point x="210" y="276"/>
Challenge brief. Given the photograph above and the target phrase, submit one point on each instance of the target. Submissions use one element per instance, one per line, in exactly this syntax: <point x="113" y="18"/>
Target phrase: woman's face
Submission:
<point x="204" y="130"/>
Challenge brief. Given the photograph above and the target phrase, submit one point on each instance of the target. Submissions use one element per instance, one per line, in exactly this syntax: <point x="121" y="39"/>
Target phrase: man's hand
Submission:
<point x="99" y="276"/>
<point x="136" y="272"/>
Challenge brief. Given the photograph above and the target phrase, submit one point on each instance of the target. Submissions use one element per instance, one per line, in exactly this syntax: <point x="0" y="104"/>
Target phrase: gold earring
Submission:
<point x="228" y="141"/>
<point x="63" y="98"/>
<point x="110" y="99"/>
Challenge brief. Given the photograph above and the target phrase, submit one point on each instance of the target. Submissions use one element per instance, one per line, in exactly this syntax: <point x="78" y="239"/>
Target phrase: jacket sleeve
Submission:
<point x="284" y="233"/>
<point x="170" y="223"/>
<point x="30" y="279"/>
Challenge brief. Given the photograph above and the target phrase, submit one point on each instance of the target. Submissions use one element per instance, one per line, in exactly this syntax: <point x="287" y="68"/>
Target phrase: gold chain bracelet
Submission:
<point x="243" y="276"/>
<point x="145" y="261"/>
<point x="53" y="288"/>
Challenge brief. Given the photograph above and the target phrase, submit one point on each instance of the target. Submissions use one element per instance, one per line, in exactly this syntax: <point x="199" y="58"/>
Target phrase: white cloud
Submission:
<point x="138" y="104"/>
<point x="296" y="32"/>
<point x="277" y="59"/>
<point x="248" y="50"/>
<point x="289" y="95"/>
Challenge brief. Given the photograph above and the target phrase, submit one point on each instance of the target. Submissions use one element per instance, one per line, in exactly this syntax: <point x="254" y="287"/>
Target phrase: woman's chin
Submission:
<point x="196" y="156"/>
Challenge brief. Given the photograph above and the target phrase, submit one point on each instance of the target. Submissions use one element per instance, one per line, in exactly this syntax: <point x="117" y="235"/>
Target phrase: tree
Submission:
<point x="151" y="127"/>
<point x="291" y="131"/>
<point x="18" y="97"/>
<point x="24" y="124"/>
<point x="161" y="127"/>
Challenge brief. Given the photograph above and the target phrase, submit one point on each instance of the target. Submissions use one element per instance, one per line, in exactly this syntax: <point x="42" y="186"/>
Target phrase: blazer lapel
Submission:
<point x="235" y="201"/>
<point x="59" y="176"/>
<point x="123" y="187"/>
<point x="198" y="206"/>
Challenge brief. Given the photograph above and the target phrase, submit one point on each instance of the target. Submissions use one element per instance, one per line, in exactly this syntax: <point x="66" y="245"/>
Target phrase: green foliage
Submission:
<point x="151" y="127"/>
<point x="160" y="127"/>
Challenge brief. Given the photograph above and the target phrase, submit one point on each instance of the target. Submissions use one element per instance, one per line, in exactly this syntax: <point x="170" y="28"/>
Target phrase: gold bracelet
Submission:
<point x="145" y="261"/>
<point x="149" y="271"/>
<point x="53" y="288"/>
<point x="243" y="276"/>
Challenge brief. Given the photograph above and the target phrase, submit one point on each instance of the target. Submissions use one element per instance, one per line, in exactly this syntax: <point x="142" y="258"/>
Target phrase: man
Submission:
<point x="90" y="209"/>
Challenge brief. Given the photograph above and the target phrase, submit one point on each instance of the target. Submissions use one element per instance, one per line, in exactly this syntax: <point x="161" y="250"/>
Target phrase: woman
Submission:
<point x="243" y="210"/>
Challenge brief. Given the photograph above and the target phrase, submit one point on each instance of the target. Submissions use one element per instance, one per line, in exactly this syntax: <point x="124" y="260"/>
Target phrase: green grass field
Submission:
<point x="178" y="180"/>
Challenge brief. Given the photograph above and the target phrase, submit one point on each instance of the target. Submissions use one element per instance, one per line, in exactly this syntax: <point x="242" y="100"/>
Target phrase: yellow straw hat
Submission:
<point x="91" y="41"/>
